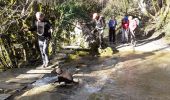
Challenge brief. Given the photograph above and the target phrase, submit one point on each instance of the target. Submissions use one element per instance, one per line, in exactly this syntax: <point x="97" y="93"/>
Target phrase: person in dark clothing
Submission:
<point x="99" y="25"/>
<point x="44" y="30"/>
<point x="112" y="25"/>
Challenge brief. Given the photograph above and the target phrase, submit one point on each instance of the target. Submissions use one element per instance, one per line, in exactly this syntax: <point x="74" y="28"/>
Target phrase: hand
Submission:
<point x="50" y="30"/>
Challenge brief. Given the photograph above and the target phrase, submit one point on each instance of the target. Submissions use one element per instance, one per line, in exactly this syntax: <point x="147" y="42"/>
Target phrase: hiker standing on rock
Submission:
<point x="99" y="26"/>
<point x="133" y="23"/>
<point x="44" y="30"/>
<point x="112" y="26"/>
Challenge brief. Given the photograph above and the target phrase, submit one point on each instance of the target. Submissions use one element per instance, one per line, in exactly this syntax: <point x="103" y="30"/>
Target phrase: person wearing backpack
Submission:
<point x="99" y="26"/>
<point x="125" y="29"/>
<point x="112" y="26"/>
<point x="44" y="29"/>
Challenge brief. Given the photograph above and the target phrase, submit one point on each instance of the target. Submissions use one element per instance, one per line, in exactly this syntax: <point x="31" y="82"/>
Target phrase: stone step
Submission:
<point x="71" y="47"/>
<point x="30" y="76"/>
<point x="4" y="96"/>
<point x="11" y="89"/>
<point x="8" y="86"/>
<point x="25" y="78"/>
<point x="21" y="81"/>
<point x="39" y="71"/>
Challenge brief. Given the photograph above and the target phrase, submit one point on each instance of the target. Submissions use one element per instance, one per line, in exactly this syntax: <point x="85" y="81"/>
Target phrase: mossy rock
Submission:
<point x="77" y="55"/>
<point x="82" y="53"/>
<point x="73" y="56"/>
<point x="106" y="52"/>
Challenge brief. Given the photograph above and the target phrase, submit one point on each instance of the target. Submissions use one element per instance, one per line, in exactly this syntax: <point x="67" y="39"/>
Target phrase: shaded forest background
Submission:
<point x="18" y="48"/>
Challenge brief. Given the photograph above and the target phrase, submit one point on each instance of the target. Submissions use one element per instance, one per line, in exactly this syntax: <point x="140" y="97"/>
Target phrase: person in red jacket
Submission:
<point x="125" y="29"/>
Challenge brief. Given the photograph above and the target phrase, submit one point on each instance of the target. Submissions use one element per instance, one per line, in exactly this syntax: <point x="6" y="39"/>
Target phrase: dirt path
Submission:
<point x="152" y="44"/>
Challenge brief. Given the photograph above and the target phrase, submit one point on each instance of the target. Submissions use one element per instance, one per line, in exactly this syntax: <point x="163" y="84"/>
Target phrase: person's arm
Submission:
<point x="103" y="22"/>
<point x="115" y="22"/>
<point x="109" y="23"/>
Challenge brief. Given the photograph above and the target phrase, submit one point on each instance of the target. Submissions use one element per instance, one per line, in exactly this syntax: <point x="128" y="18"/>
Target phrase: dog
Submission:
<point x="64" y="76"/>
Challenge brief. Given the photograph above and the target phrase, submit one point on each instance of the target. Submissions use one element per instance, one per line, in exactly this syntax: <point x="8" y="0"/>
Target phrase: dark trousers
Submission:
<point x="112" y="35"/>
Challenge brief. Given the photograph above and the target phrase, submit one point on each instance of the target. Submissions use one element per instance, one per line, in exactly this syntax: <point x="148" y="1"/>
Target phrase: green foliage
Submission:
<point x="16" y="14"/>
<point x="167" y="29"/>
<point x="66" y="13"/>
<point x="118" y="7"/>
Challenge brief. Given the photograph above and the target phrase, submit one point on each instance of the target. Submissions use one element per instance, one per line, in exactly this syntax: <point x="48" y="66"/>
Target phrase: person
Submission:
<point x="125" y="29"/>
<point x="99" y="26"/>
<point x="44" y="30"/>
<point x="132" y="26"/>
<point x="112" y="25"/>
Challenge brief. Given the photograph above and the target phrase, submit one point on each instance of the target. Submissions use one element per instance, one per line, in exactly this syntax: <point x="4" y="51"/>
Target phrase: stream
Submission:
<point x="126" y="76"/>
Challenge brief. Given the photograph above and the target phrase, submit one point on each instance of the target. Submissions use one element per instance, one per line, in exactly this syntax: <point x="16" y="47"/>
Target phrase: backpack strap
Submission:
<point x="102" y="20"/>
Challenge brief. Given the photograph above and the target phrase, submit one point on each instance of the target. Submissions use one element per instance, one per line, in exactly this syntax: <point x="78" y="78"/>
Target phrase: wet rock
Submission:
<point x="106" y="52"/>
<point x="4" y="96"/>
<point x="100" y="96"/>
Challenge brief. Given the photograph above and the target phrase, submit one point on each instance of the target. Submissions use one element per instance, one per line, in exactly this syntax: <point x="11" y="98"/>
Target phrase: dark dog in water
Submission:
<point x="64" y="76"/>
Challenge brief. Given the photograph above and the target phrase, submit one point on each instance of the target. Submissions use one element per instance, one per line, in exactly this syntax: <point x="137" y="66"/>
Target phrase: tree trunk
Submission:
<point x="142" y="6"/>
<point x="165" y="14"/>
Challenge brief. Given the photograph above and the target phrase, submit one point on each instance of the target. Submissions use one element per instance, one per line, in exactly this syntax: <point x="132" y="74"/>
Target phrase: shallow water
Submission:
<point x="45" y="81"/>
<point x="137" y="76"/>
<point x="92" y="89"/>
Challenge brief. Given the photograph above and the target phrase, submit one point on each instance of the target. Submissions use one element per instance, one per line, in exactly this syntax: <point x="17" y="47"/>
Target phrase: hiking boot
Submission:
<point x="43" y="66"/>
<point x="46" y="65"/>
